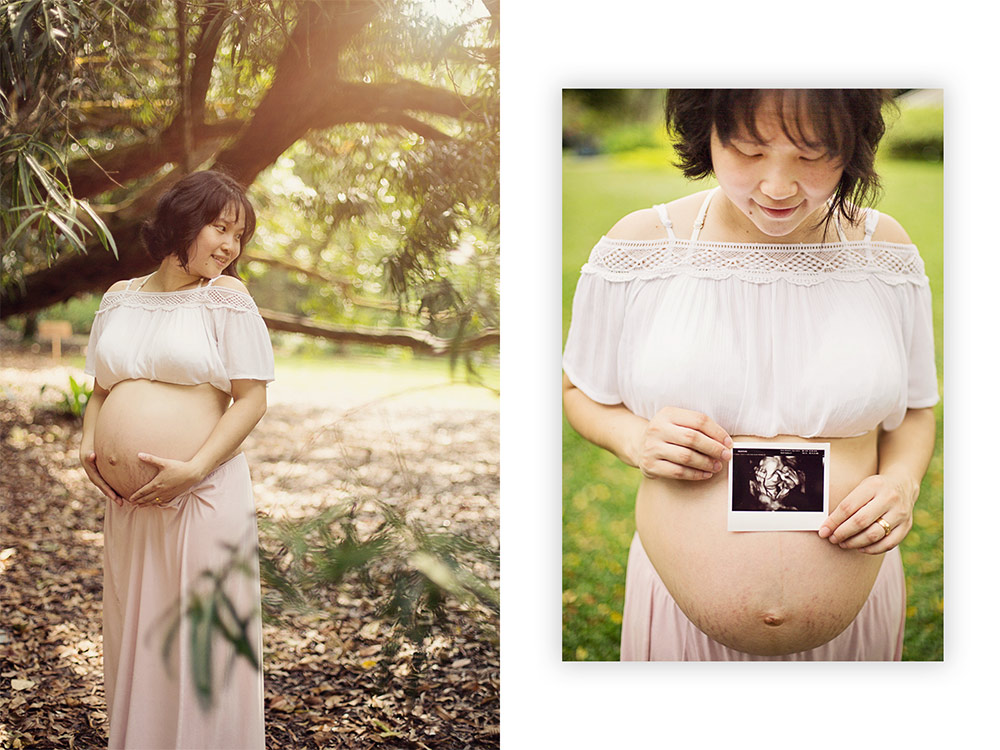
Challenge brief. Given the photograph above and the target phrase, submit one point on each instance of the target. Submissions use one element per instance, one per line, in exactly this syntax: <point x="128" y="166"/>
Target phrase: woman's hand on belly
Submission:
<point x="886" y="499"/>
<point x="173" y="477"/>
<point x="683" y="444"/>
<point x="89" y="462"/>
<point x="861" y="519"/>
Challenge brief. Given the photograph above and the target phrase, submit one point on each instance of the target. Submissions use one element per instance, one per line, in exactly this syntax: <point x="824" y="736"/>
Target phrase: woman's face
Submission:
<point x="217" y="244"/>
<point x="775" y="185"/>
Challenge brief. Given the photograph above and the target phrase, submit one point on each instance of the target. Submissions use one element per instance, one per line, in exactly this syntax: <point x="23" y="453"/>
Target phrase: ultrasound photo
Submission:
<point x="778" y="487"/>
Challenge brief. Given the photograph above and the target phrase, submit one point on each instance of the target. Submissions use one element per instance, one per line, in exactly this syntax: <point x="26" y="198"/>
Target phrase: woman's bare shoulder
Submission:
<point x="231" y="282"/>
<point x="890" y="230"/>
<point x="886" y="230"/>
<point x="646" y="224"/>
<point x="119" y="286"/>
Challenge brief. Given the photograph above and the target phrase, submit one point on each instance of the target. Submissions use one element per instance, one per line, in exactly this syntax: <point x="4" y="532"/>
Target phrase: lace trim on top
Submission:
<point x="803" y="264"/>
<point x="205" y="296"/>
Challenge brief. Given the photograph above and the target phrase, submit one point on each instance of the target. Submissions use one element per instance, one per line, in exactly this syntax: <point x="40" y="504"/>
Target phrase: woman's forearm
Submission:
<point x="249" y="405"/>
<point x="878" y="514"/>
<point x="905" y="453"/>
<point x="676" y="444"/>
<point x="614" y="428"/>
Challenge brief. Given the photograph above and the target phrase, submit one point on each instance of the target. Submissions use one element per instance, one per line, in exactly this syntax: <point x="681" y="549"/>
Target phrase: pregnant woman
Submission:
<point x="181" y="359"/>
<point x="771" y="308"/>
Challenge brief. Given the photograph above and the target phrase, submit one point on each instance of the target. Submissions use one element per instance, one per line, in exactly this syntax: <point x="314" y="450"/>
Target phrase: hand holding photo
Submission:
<point x="778" y="486"/>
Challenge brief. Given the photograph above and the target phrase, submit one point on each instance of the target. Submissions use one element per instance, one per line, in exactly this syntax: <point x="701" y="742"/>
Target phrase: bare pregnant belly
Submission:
<point x="766" y="593"/>
<point x="145" y="416"/>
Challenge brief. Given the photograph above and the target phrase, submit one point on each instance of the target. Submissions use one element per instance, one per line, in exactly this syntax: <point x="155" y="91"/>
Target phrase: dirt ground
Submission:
<point x="327" y="682"/>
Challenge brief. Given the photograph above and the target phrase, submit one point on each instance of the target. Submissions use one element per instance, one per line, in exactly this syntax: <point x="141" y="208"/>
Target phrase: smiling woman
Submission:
<point x="180" y="360"/>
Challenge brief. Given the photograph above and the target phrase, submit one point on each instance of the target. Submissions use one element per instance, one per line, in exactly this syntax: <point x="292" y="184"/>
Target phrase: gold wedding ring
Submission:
<point x="885" y="525"/>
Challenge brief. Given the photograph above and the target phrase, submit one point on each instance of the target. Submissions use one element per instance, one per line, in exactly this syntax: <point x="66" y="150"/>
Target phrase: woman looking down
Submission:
<point x="181" y="359"/>
<point x="773" y="308"/>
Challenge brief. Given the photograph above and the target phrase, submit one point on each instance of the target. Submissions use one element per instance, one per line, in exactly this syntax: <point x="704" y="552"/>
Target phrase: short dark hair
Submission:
<point x="848" y="123"/>
<point x="189" y="206"/>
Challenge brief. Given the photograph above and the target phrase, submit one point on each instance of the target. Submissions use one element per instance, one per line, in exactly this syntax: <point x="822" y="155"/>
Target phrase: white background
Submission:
<point x="547" y="46"/>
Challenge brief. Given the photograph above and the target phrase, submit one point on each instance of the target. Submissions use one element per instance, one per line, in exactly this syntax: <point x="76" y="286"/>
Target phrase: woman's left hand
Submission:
<point x="173" y="478"/>
<point x="861" y="519"/>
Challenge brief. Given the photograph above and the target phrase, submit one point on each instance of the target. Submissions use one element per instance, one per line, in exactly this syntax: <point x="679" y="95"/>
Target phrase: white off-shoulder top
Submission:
<point x="208" y="334"/>
<point x="814" y="340"/>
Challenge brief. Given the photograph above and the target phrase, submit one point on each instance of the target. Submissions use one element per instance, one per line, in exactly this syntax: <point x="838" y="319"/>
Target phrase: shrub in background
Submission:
<point x="918" y="133"/>
<point x="79" y="311"/>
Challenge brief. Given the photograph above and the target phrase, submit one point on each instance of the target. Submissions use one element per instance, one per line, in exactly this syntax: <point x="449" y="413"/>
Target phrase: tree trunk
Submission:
<point x="77" y="274"/>
<point x="306" y="76"/>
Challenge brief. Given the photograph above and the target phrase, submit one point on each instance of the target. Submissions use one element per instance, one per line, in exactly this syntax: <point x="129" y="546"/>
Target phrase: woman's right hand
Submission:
<point x="683" y="444"/>
<point x="89" y="461"/>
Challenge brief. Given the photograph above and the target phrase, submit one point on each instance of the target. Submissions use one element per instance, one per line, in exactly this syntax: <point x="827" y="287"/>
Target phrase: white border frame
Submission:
<point x="584" y="705"/>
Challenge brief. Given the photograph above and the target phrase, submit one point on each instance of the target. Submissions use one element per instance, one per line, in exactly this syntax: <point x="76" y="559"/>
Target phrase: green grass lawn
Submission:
<point x="599" y="491"/>
<point x="429" y="381"/>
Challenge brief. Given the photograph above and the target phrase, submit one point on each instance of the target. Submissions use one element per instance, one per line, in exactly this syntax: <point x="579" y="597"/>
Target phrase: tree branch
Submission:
<point x="345" y="285"/>
<point x="183" y="115"/>
<point x="357" y="102"/>
<point x="303" y="83"/>
<point x="306" y="72"/>
<point x="92" y="176"/>
<point x="212" y="25"/>
<point x="187" y="132"/>
<point x="420" y="341"/>
<point x="412" y="124"/>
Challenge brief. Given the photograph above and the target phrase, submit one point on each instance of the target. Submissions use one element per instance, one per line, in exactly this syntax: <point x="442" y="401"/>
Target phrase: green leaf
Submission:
<point x="201" y="646"/>
<point x="26" y="182"/>
<point x="68" y="233"/>
<point x="21" y="21"/>
<point x="103" y="233"/>
<point x="54" y="155"/>
<point x="55" y="190"/>
<point x="20" y="227"/>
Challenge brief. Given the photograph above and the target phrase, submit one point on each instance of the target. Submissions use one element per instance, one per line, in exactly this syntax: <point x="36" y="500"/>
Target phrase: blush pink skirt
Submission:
<point x="154" y="558"/>
<point x="655" y="629"/>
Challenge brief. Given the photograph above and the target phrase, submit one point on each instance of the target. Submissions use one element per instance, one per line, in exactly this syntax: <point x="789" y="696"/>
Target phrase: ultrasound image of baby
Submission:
<point x="775" y="480"/>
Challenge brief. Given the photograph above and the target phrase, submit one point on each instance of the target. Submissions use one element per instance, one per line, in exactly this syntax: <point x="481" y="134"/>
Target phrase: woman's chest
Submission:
<point x="162" y="345"/>
<point x="731" y="349"/>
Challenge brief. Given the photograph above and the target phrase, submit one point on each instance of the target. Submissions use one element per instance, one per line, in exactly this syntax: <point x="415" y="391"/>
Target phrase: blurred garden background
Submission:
<point x="617" y="159"/>
<point x="367" y="132"/>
